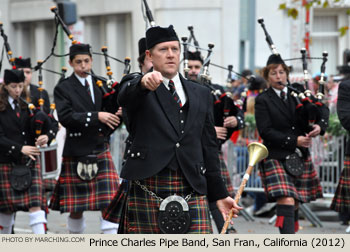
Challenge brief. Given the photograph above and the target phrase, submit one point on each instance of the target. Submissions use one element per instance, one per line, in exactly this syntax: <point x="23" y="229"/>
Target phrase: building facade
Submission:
<point x="230" y="24"/>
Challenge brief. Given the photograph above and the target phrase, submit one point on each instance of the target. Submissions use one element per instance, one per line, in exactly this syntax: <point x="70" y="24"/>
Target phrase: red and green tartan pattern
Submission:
<point x="277" y="183"/>
<point x="226" y="175"/>
<point x="341" y="199"/>
<point x="12" y="200"/>
<point x="142" y="209"/>
<point x="72" y="194"/>
<point x="114" y="212"/>
<point x="49" y="184"/>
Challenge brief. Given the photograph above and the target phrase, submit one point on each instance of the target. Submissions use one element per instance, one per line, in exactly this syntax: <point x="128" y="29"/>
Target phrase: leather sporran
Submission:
<point x="294" y="164"/>
<point x="87" y="167"/>
<point x="21" y="177"/>
<point x="174" y="216"/>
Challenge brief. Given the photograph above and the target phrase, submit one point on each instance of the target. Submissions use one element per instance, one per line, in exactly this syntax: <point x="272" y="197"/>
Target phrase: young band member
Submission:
<point x="173" y="149"/>
<point x="283" y="133"/>
<point x="17" y="146"/>
<point x="26" y="66"/>
<point x="35" y="94"/>
<point x="88" y="179"/>
<point x="227" y="119"/>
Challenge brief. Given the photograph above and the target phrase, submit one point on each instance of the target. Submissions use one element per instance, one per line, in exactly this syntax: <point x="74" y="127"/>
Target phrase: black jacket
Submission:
<point x="79" y="115"/>
<point x="343" y="109"/>
<point x="157" y="139"/>
<point x="14" y="133"/>
<point x="279" y="125"/>
<point x="223" y="108"/>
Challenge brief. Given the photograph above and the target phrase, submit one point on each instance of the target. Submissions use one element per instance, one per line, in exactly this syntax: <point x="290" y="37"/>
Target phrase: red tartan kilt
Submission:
<point x="141" y="212"/>
<point x="226" y="175"/>
<point x="12" y="200"/>
<point x="277" y="183"/>
<point x="114" y="212"/>
<point x="72" y="194"/>
<point x="341" y="199"/>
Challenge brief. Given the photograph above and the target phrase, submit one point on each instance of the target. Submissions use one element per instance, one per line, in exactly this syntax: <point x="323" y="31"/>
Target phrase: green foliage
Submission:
<point x="282" y="6"/>
<point x="292" y="12"/>
<point x="334" y="126"/>
<point x="343" y="30"/>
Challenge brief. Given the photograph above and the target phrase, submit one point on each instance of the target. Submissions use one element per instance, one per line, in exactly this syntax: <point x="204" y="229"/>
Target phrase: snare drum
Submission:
<point x="49" y="167"/>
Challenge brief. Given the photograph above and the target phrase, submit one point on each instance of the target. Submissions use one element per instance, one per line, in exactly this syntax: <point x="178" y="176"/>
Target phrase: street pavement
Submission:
<point x="57" y="225"/>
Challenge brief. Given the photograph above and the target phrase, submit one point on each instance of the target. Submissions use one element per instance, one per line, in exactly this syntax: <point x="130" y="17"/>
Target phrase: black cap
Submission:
<point x="195" y="56"/>
<point x="256" y="83"/>
<point x="157" y="34"/>
<point x="13" y="76"/>
<point x="246" y="73"/>
<point x="275" y="59"/>
<point x="344" y="69"/>
<point x="23" y="63"/>
<point x="79" y="49"/>
<point x="142" y="46"/>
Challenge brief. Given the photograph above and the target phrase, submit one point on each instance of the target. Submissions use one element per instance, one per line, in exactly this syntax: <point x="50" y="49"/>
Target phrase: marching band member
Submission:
<point x="224" y="127"/>
<point x="17" y="143"/>
<point x="88" y="179"/>
<point x="283" y="133"/>
<point x="341" y="199"/>
<point x="173" y="149"/>
<point x="35" y="94"/>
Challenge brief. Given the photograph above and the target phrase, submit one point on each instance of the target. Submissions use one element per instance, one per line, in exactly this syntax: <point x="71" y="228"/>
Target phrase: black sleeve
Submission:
<point x="131" y="93"/>
<point x="343" y="104"/>
<point x="216" y="188"/>
<point x="266" y="130"/>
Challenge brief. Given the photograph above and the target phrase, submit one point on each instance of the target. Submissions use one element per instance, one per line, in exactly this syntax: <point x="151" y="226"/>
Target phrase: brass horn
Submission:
<point x="257" y="152"/>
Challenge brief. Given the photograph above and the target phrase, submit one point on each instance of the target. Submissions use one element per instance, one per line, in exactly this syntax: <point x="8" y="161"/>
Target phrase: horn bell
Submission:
<point x="257" y="152"/>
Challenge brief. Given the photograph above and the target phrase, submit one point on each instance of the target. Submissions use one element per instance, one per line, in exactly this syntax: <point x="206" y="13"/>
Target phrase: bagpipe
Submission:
<point x="108" y="86"/>
<point x="308" y="106"/>
<point x="224" y="104"/>
<point x="7" y="47"/>
<point x="42" y="122"/>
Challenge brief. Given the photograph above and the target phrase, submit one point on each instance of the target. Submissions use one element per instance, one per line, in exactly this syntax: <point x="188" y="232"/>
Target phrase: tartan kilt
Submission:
<point x="341" y="199"/>
<point x="73" y="194"/>
<point x="277" y="183"/>
<point x="115" y="210"/>
<point x="12" y="200"/>
<point x="226" y="175"/>
<point x="49" y="184"/>
<point x="141" y="213"/>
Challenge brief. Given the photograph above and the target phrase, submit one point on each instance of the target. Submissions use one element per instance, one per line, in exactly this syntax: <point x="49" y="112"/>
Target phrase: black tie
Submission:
<point x="283" y="96"/>
<point x="87" y="86"/>
<point x="174" y="93"/>
<point x="17" y="110"/>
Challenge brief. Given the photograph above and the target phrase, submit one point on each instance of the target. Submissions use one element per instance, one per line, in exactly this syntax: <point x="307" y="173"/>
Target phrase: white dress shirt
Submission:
<point x="178" y="87"/>
<point x="89" y="80"/>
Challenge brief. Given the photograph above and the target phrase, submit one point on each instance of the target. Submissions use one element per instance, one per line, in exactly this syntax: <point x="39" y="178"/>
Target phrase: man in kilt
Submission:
<point x="341" y="199"/>
<point x="283" y="132"/>
<point x="88" y="179"/>
<point x="18" y="145"/>
<point x="227" y="119"/>
<point x="173" y="150"/>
